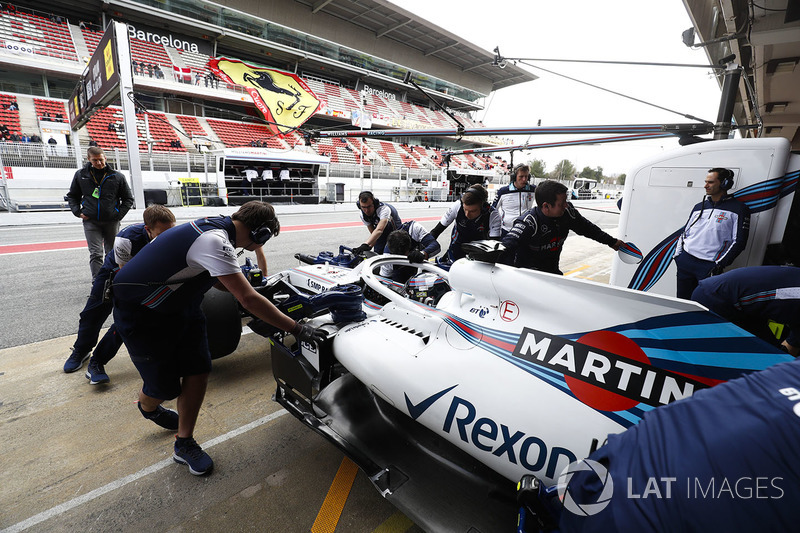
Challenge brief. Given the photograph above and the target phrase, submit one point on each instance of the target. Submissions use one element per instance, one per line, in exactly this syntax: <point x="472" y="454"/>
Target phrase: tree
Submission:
<point x="538" y="168"/>
<point x="564" y="170"/>
<point x="587" y="173"/>
<point x="621" y="179"/>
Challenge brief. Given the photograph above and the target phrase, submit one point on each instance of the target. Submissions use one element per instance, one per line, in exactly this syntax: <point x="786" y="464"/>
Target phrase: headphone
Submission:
<point x="375" y="201"/>
<point x="261" y="234"/>
<point x="726" y="179"/>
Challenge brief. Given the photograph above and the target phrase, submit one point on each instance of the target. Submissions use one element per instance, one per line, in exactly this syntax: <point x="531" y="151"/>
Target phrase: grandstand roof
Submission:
<point x="389" y="21"/>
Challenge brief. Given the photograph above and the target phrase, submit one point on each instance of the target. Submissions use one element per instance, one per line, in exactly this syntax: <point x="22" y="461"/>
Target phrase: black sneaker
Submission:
<point x="188" y="452"/>
<point x="166" y="418"/>
<point x="96" y="374"/>
<point x="75" y="361"/>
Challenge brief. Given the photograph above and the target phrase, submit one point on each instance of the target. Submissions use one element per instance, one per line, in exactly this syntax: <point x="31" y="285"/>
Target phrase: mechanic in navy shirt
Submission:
<point x="474" y="219"/>
<point x="724" y="459"/>
<point x="157" y="219"/>
<point x="537" y="238"/>
<point x="128" y="242"/>
<point x="157" y="299"/>
<point x="412" y="241"/>
<point x="380" y="219"/>
<point x="714" y="235"/>
<point x="749" y="297"/>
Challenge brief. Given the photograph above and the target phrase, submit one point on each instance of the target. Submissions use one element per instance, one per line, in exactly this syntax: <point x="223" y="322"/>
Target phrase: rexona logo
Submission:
<point x="491" y="437"/>
<point x="605" y="370"/>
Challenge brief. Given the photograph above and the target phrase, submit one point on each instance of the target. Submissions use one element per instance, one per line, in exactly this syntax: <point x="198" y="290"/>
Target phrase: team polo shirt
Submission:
<point x="176" y="269"/>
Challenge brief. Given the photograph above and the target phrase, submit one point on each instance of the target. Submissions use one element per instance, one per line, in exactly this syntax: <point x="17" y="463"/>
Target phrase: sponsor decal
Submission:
<point x="480" y="311"/>
<point x="605" y="370"/>
<point x="490" y="437"/>
<point x="509" y="311"/>
<point x="792" y="395"/>
<point x="283" y="98"/>
<point x="228" y="251"/>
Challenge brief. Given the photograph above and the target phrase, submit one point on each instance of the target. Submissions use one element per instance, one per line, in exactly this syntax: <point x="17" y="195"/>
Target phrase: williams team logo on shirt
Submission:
<point x="721" y="218"/>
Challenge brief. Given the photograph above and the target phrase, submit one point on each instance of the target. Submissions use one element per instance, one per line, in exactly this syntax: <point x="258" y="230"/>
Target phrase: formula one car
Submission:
<point x="512" y="375"/>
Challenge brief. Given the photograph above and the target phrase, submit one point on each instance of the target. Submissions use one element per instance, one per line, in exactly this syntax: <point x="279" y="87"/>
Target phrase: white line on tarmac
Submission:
<point x="119" y="483"/>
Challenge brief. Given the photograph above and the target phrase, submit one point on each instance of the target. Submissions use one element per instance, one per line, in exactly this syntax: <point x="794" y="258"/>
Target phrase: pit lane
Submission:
<point x="80" y="458"/>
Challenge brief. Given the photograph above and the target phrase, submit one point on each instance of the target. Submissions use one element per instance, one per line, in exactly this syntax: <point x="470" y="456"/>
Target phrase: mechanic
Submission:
<point x="751" y="296"/>
<point x="380" y="219"/>
<point x="127" y="244"/>
<point x="101" y="197"/>
<point x="537" y="238"/>
<point x="516" y="198"/>
<point x="474" y="220"/>
<point x="714" y="235"/>
<point x="157" y="311"/>
<point x="724" y="459"/>
<point x="412" y="241"/>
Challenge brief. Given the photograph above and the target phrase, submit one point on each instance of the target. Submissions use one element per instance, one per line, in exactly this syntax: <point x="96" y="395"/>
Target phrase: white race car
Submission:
<point x="446" y="402"/>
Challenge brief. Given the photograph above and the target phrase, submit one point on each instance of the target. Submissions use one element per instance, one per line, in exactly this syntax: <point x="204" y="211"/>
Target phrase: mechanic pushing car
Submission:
<point x="380" y="219"/>
<point x="157" y="219"/>
<point x="157" y="299"/>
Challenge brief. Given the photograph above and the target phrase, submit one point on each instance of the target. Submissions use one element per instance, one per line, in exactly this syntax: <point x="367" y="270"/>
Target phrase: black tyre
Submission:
<point x="223" y="322"/>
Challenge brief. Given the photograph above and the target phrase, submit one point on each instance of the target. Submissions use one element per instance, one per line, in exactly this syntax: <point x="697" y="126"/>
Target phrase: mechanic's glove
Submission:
<point x="306" y="333"/>
<point x="717" y="270"/>
<point x="358" y="250"/>
<point x="415" y="256"/>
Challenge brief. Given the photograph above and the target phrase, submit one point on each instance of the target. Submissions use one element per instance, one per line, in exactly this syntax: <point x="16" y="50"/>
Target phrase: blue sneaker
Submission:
<point x="188" y="452"/>
<point x="95" y="373"/>
<point x="75" y="361"/>
<point x="166" y="418"/>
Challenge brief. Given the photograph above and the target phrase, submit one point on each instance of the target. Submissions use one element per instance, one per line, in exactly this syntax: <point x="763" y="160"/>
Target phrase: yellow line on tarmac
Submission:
<point x="397" y="523"/>
<point x="583" y="267"/>
<point x="332" y="507"/>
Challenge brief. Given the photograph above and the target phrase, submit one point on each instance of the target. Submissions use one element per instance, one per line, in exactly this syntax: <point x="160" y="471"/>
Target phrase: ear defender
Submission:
<point x="726" y="180"/>
<point x="261" y="234"/>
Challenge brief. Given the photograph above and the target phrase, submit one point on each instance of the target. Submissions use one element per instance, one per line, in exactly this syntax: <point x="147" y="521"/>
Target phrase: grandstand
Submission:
<point x="359" y="74"/>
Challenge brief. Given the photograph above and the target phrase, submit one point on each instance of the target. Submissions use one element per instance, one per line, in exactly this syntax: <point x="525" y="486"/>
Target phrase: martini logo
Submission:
<point x="605" y="370"/>
<point x="283" y="98"/>
<point x="582" y="508"/>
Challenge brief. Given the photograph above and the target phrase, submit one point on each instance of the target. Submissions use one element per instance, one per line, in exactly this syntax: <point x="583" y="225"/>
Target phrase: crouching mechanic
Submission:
<point x="380" y="219"/>
<point x="474" y="219"/>
<point x="749" y="297"/>
<point x="536" y="239"/>
<point x="412" y="241"/>
<point x="129" y="241"/>
<point x="157" y="299"/>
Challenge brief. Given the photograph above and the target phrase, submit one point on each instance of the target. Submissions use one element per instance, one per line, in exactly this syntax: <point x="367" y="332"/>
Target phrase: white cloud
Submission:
<point x="614" y="30"/>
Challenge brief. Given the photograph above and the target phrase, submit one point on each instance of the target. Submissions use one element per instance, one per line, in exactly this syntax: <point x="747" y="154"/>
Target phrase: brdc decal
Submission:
<point x="605" y="370"/>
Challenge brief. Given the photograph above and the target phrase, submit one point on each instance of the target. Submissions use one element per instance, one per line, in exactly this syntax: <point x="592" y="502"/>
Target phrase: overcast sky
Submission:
<point x="615" y="30"/>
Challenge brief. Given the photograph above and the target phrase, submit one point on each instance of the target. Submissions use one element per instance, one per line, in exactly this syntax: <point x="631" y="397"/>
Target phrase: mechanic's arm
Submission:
<point x="429" y="246"/>
<point x="583" y="226"/>
<point x="261" y="260"/>
<point x="377" y="232"/>
<point x="256" y="304"/>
